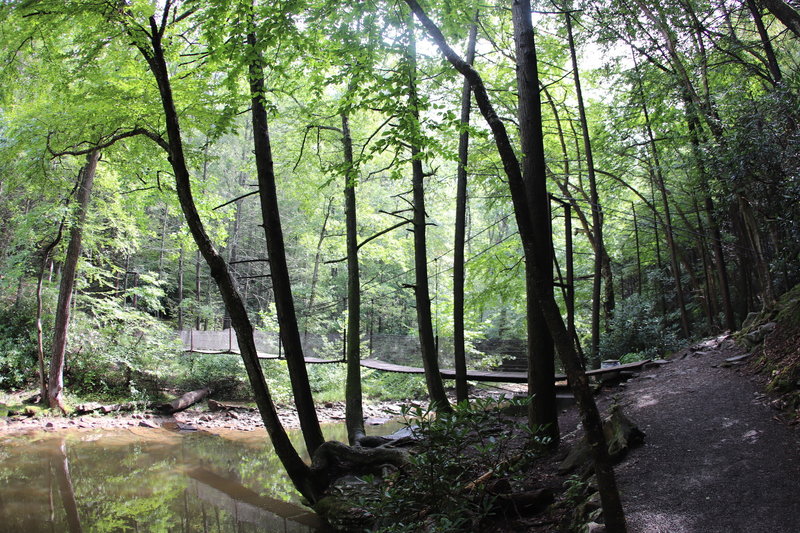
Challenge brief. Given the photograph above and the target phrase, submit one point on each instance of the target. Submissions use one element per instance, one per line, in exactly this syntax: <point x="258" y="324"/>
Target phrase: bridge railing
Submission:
<point x="508" y="354"/>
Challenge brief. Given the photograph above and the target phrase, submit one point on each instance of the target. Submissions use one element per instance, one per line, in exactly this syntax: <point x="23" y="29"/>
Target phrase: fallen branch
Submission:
<point x="185" y="401"/>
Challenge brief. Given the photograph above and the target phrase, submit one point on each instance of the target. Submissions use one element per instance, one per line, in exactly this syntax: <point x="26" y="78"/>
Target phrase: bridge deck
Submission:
<point x="447" y="373"/>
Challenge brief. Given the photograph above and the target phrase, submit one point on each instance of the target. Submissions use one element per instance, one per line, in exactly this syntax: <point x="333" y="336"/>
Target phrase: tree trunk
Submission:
<point x="297" y="470"/>
<point x="601" y="268"/>
<point x="354" y="411"/>
<point x="430" y="356"/>
<point x="673" y="253"/>
<point x="769" y="51"/>
<point x="539" y="259"/>
<point x="281" y="283"/>
<point x="785" y="13"/>
<point x="459" y="352"/>
<point x="55" y="384"/>
<point x="315" y="273"/>
<point x="180" y="290"/>
<point x="39" y="310"/>
<point x="590" y="416"/>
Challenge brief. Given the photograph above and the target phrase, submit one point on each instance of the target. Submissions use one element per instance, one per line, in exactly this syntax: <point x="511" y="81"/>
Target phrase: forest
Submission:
<point x="519" y="186"/>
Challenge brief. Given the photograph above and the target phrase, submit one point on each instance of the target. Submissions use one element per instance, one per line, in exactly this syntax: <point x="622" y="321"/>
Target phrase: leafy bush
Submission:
<point x="116" y="351"/>
<point x="18" y="358"/>
<point x="437" y="493"/>
<point x="636" y="332"/>
<point x="392" y="385"/>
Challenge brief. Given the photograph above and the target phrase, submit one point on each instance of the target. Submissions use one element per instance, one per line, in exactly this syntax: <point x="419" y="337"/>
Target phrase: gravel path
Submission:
<point x="717" y="457"/>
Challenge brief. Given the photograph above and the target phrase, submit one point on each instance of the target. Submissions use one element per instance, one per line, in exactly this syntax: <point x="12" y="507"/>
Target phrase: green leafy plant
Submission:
<point x="636" y="332"/>
<point x="442" y="490"/>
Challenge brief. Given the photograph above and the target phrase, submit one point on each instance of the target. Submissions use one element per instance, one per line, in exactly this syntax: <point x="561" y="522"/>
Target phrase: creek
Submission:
<point x="143" y="479"/>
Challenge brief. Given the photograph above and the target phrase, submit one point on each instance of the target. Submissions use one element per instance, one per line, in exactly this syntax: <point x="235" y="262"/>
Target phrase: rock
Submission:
<point x="594" y="527"/>
<point x="148" y="424"/>
<point x="621" y="435"/>
<point x="757" y="336"/>
<point x="49" y="425"/>
<point x="527" y="503"/>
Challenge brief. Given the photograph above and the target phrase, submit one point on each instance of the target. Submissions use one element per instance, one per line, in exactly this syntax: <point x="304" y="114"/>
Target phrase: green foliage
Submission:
<point x="392" y="385"/>
<point x="118" y="351"/>
<point x="17" y="345"/>
<point x="636" y="332"/>
<point x="433" y="493"/>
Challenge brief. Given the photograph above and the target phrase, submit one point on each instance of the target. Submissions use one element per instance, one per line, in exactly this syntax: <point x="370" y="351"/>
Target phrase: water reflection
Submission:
<point x="149" y="480"/>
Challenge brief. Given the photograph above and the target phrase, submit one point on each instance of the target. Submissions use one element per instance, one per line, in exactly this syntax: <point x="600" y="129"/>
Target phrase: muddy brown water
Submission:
<point x="143" y="479"/>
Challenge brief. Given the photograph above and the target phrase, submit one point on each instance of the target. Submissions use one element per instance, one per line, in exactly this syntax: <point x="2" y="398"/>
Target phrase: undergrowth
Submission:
<point x="451" y="482"/>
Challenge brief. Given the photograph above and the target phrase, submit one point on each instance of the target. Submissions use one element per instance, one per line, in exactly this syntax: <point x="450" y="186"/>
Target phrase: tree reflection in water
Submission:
<point x="153" y="480"/>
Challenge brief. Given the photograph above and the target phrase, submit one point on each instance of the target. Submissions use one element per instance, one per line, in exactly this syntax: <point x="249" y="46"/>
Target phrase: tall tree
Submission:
<point x="539" y="258"/>
<point x="281" y="283"/>
<point x="55" y="385"/>
<point x="430" y="355"/>
<point x="459" y="355"/>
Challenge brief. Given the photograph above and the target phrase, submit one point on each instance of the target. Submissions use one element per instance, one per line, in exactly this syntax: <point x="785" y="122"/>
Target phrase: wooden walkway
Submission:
<point x="447" y="373"/>
<point x="495" y="376"/>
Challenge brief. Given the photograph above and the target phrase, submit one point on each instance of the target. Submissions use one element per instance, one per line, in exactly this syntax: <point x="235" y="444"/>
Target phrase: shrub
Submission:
<point x="18" y="359"/>
<point x="636" y="332"/>
<point x="434" y="493"/>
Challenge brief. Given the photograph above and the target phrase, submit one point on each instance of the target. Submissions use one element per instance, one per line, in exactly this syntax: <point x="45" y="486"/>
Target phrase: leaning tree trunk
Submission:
<point x="538" y="260"/>
<point x="430" y="357"/>
<point x="298" y="471"/>
<point x="459" y="352"/>
<point x="590" y="416"/>
<point x="55" y="384"/>
<point x="354" y="411"/>
<point x="785" y="13"/>
<point x="281" y="283"/>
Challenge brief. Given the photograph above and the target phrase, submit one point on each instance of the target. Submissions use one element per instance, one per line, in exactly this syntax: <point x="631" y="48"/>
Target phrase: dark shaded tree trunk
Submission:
<point x="769" y="51"/>
<point x="539" y="276"/>
<point x="590" y="416"/>
<point x="55" y="385"/>
<point x="427" y="340"/>
<point x="354" y="411"/>
<point x="459" y="352"/>
<point x="153" y="53"/>
<point x="785" y="13"/>
<point x="281" y="283"/>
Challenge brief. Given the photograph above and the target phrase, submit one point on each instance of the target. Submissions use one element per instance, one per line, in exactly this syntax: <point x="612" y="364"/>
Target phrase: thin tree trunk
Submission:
<point x="55" y="384"/>
<point x="315" y="273"/>
<point x="601" y="268"/>
<point x="281" y="283"/>
<point x="673" y="254"/>
<point x="459" y="352"/>
<point x="590" y="416"/>
<point x="430" y="356"/>
<point x="180" y="290"/>
<point x="539" y="264"/>
<point x="354" y="411"/>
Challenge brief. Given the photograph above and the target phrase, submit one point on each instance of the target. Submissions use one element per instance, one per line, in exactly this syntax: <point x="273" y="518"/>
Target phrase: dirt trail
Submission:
<point x="717" y="457"/>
